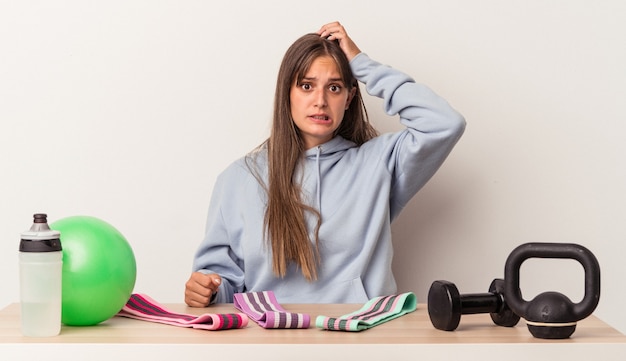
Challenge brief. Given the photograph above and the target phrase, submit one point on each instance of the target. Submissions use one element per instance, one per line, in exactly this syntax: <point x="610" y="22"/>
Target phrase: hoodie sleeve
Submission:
<point x="433" y="128"/>
<point x="216" y="254"/>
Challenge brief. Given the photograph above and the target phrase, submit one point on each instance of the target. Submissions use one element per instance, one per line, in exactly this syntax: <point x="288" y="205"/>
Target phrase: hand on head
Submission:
<point x="336" y="31"/>
<point x="200" y="288"/>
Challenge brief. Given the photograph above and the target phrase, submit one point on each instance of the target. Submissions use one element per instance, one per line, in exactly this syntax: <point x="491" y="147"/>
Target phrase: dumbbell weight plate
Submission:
<point x="444" y="305"/>
<point x="505" y="316"/>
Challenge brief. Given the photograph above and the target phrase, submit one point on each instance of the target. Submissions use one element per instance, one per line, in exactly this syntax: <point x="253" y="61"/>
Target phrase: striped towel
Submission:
<point x="263" y="309"/>
<point x="142" y="307"/>
<point x="376" y="311"/>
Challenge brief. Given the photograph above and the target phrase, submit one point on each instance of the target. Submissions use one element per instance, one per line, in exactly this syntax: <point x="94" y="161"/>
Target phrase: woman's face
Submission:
<point x="319" y="102"/>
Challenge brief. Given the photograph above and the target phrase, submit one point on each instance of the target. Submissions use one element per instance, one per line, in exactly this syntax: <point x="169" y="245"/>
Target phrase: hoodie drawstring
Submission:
<point x="319" y="179"/>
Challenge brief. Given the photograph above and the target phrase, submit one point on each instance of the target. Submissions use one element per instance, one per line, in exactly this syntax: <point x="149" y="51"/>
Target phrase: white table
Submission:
<point x="410" y="337"/>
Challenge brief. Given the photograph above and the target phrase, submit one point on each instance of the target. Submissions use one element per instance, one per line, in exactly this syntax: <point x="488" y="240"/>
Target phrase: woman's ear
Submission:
<point x="350" y="96"/>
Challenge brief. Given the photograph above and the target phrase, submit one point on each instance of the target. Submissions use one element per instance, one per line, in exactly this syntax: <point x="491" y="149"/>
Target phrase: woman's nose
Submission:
<point x="320" y="97"/>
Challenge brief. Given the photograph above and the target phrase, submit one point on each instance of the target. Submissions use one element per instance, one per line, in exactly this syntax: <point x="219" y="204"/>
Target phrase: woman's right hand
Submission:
<point x="336" y="31"/>
<point x="200" y="288"/>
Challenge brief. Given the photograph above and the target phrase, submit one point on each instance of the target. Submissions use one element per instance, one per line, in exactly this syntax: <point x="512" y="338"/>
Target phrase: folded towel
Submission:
<point x="376" y="311"/>
<point x="264" y="309"/>
<point x="142" y="307"/>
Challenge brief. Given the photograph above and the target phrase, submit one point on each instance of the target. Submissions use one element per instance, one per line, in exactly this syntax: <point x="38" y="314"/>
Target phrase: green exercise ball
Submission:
<point x="99" y="270"/>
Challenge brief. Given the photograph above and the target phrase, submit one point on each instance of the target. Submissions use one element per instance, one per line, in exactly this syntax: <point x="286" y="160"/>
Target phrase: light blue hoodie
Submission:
<point x="359" y="191"/>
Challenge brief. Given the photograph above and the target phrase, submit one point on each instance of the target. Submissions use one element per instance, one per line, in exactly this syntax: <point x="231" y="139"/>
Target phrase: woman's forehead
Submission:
<point x="321" y="64"/>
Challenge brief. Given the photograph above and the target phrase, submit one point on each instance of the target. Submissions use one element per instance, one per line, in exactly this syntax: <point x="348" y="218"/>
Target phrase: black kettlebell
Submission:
<point x="552" y="315"/>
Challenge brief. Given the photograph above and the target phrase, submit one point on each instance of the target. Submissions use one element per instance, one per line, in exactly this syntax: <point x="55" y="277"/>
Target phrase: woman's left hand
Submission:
<point x="336" y="31"/>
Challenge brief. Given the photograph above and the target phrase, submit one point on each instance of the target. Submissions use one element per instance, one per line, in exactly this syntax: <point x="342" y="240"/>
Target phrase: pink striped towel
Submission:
<point x="264" y="309"/>
<point x="142" y="307"/>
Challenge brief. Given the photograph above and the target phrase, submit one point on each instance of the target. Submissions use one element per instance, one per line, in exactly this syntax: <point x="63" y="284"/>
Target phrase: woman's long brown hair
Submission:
<point x="285" y="227"/>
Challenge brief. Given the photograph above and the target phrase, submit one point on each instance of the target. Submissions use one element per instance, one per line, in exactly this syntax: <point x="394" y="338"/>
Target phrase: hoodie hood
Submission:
<point x="333" y="146"/>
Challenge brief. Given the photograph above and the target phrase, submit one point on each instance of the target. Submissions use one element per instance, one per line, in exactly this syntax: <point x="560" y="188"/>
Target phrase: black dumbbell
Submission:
<point x="446" y="305"/>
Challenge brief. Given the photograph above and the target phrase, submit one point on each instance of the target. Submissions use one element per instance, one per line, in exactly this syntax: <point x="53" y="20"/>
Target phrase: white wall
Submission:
<point x="128" y="110"/>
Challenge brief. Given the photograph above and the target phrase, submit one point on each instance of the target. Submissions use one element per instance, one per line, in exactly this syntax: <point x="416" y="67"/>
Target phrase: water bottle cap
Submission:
<point x="40" y="238"/>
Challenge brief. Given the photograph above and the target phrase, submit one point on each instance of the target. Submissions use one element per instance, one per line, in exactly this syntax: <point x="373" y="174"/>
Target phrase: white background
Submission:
<point x="128" y="110"/>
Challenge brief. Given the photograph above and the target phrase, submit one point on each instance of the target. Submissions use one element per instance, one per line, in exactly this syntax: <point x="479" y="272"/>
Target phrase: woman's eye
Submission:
<point x="305" y="86"/>
<point x="335" y="88"/>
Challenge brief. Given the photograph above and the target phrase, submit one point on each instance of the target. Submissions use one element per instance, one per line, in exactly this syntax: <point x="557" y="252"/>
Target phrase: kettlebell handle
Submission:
<point x="577" y="252"/>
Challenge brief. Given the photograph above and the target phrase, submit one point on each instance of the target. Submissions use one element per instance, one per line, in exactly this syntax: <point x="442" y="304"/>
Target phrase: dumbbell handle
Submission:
<point x="480" y="303"/>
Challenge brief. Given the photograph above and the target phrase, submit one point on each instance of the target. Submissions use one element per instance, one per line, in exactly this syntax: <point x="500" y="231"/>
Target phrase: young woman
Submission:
<point x="308" y="214"/>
